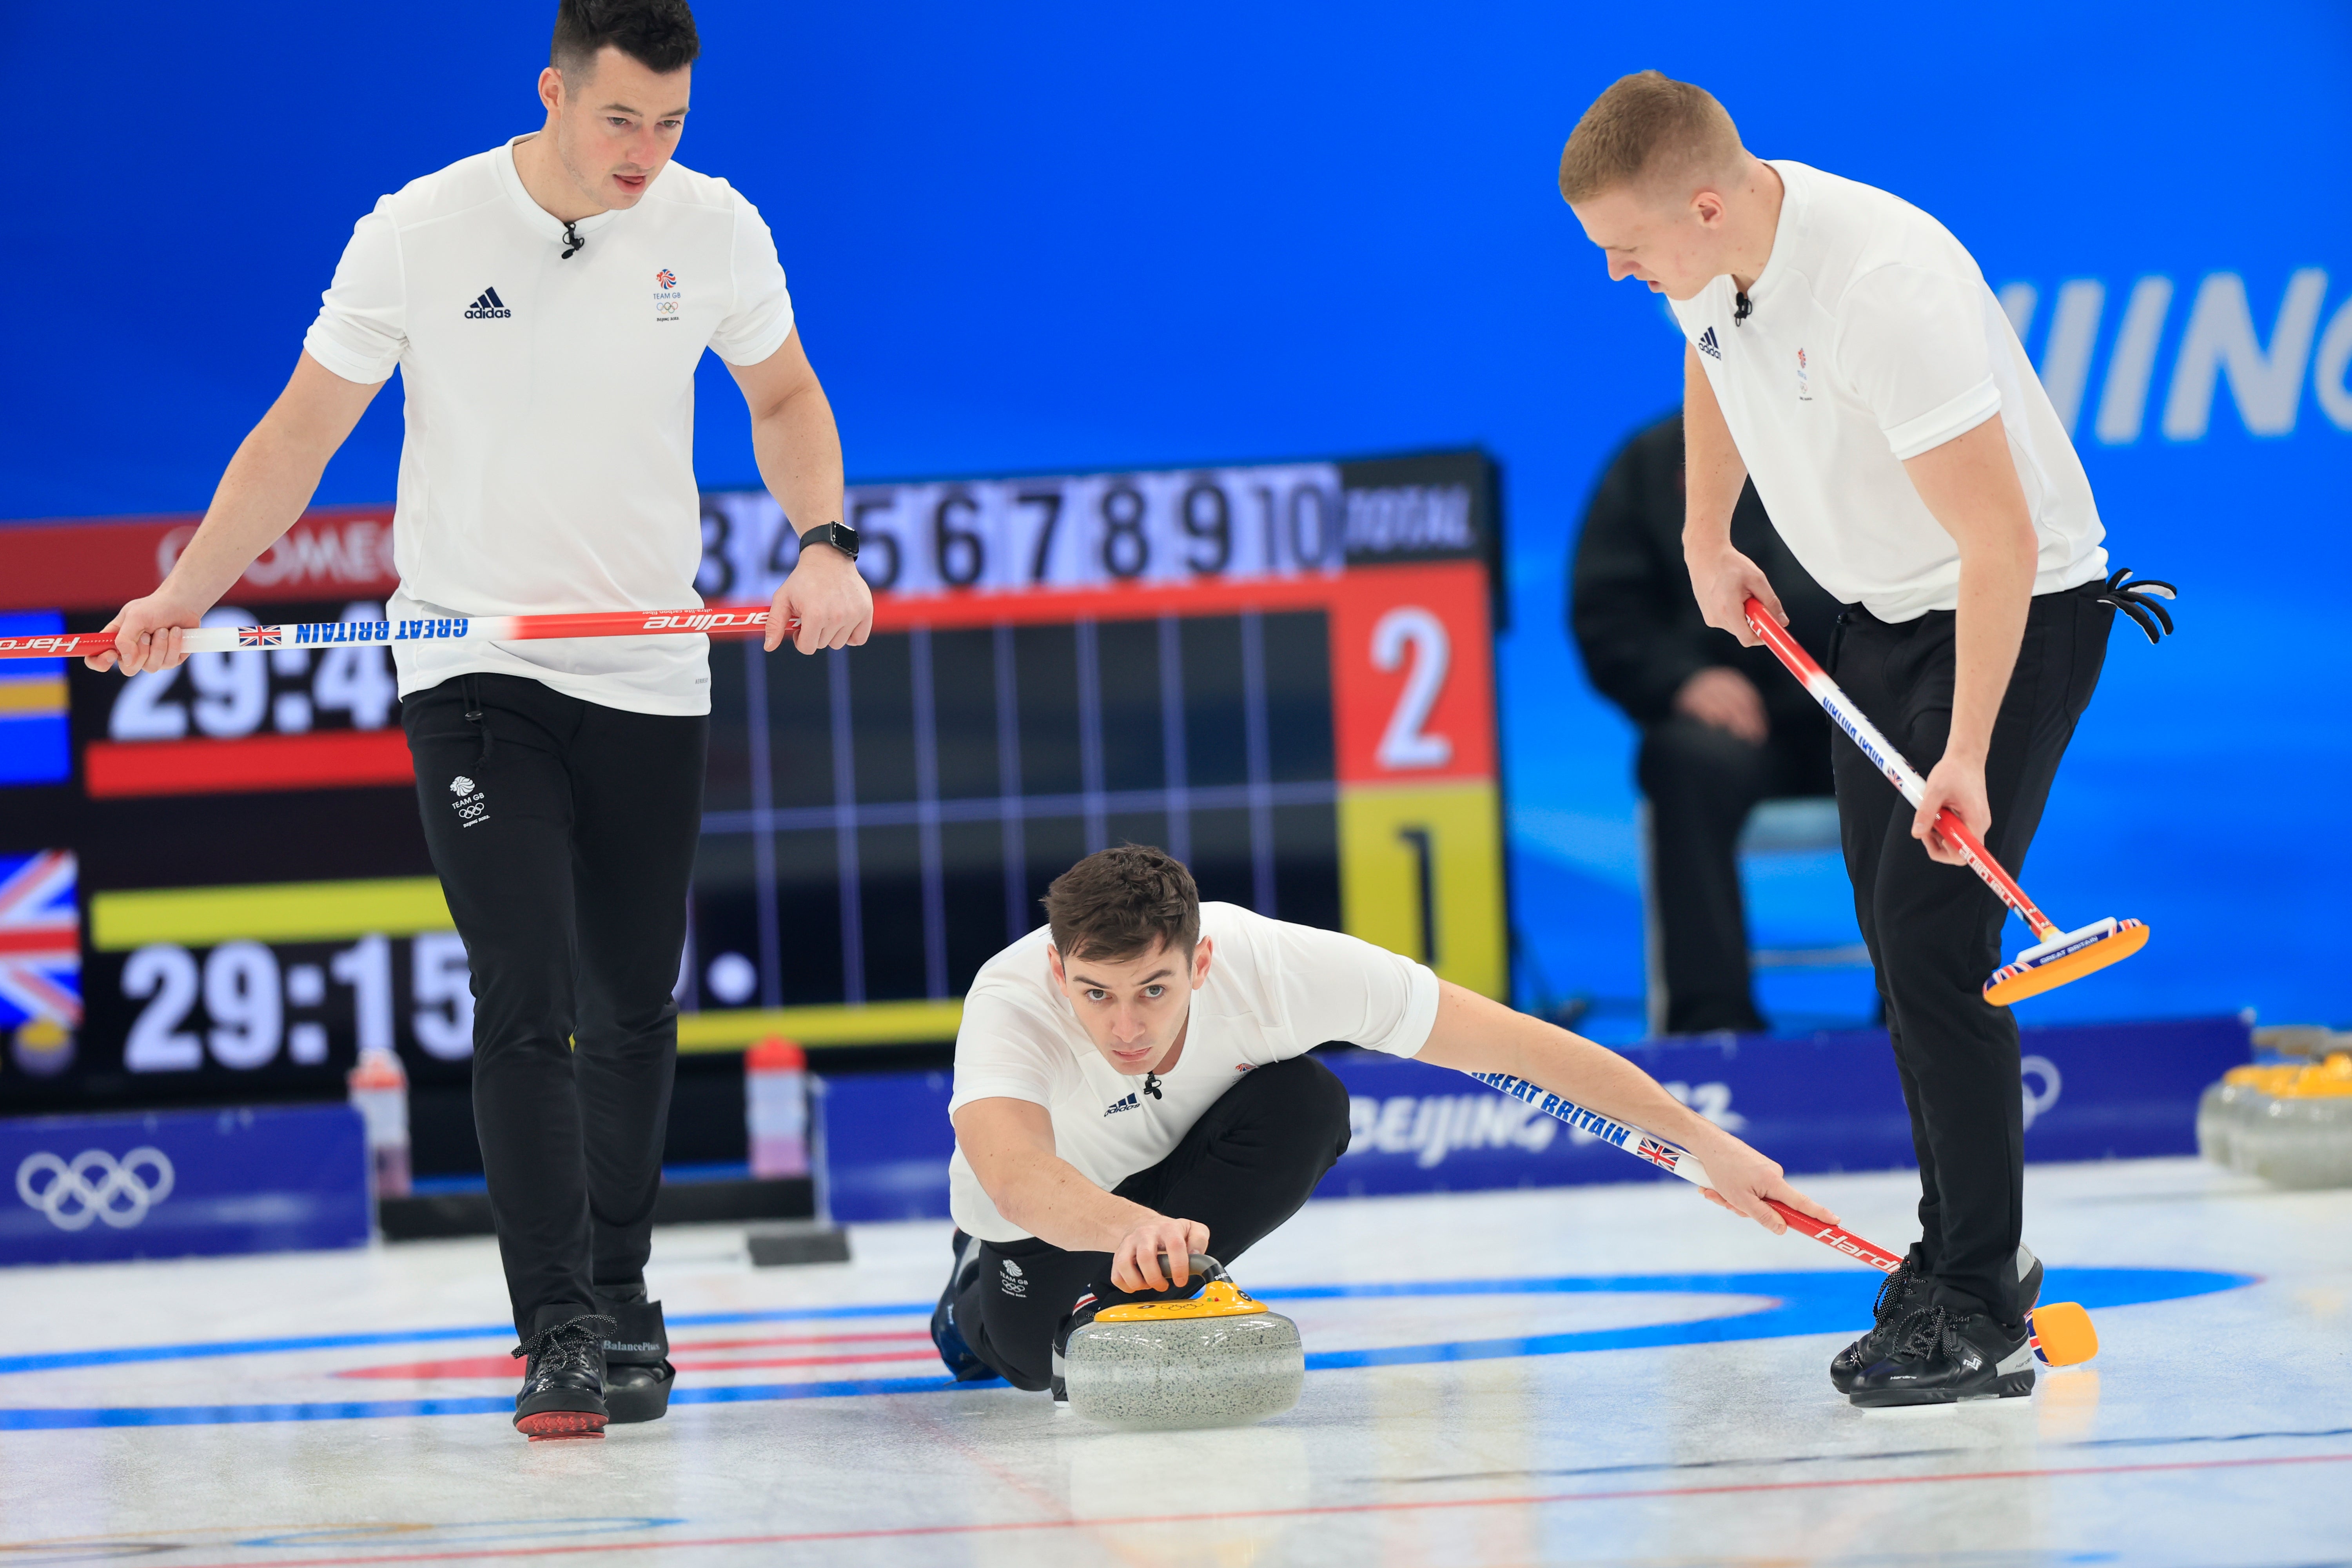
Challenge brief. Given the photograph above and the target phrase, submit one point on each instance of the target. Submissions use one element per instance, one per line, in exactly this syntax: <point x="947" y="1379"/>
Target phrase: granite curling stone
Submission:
<point x="1219" y="1360"/>
<point x="2289" y="1123"/>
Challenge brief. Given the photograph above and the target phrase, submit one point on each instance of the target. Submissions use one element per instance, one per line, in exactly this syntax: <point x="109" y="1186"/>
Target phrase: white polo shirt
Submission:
<point x="1872" y="338"/>
<point x="1275" y="991"/>
<point x="549" y="463"/>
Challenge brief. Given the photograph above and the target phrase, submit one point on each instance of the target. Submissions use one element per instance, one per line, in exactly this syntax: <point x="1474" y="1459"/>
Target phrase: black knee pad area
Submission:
<point x="1305" y="1095"/>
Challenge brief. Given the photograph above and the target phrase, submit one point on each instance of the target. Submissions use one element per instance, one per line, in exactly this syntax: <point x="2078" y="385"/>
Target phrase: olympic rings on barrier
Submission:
<point x="72" y="1199"/>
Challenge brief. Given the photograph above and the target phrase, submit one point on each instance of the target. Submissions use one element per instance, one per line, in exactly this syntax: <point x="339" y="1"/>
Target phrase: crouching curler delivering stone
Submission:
<point x="1133" y="1093"/>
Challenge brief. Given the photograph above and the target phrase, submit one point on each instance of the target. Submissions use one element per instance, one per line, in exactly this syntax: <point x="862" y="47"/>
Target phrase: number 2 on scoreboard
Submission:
<point x="1412" y="638"/>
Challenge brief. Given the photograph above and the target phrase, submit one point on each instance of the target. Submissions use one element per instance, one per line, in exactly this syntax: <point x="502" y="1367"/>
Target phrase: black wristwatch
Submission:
<point x="839" y="535"/>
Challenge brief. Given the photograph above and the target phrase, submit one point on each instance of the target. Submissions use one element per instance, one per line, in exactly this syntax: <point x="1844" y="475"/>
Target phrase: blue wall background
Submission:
<point x="1075" y="236"/>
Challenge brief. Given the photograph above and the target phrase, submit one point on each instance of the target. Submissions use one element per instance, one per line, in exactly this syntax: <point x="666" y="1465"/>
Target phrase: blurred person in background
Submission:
<point x="1723" y="727"/>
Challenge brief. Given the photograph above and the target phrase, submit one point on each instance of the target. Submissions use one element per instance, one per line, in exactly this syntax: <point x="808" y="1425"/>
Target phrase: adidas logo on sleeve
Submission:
<point x="1707" y="344"/>
<point x="489" y="307"/>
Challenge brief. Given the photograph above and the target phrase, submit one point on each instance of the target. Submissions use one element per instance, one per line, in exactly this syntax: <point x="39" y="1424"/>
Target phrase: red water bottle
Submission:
<point x="776" y="1107"/>
<point x="379" y="1088"/>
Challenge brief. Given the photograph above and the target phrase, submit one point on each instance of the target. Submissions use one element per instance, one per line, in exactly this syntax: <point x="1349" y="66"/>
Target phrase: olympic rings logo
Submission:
<point x="95" y="1185"/>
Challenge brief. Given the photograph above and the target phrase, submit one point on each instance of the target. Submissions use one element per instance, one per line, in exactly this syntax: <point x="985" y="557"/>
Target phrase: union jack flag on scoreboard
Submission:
<point x="41" y="940"/>
<point x="257" y="637"/>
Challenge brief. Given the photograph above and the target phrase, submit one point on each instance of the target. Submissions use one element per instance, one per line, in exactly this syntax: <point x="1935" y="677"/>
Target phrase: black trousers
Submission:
<point x="564" y="833"/>
<point x="1702" y="782"/>
<point x="1934" y="931"/>
<point x="1243" y="1168"/>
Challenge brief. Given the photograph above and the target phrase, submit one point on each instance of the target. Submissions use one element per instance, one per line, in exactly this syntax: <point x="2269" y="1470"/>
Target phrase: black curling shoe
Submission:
<point x="1904" y="1292"/>
<point x="2029" y="1279"/>
<point x="955" y="1354"/>
<point x="1899" y="1295"/>
<point x="1943" y="1357"/>
<point x="637" y="1372"/>
<point x="563" y="1392"/>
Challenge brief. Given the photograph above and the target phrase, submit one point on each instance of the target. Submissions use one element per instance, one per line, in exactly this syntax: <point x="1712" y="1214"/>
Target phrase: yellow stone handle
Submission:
<point x="1221" y="1299"/>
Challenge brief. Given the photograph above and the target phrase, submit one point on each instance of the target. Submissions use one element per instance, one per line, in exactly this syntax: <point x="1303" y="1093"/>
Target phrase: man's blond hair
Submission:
<point x="1647" y="129"/>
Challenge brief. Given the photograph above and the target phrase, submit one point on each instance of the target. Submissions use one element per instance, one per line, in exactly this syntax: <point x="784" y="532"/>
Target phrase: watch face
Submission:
<point x="839" y="535"/>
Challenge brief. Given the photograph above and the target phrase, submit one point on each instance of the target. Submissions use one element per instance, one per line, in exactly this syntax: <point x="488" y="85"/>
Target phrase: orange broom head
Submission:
<point x="2062" y="1334"/>
<point x="2065" y="958"/>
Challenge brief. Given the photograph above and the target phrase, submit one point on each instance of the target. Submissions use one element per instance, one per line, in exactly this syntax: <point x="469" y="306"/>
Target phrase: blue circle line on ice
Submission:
<point x="1796" y="1302"/>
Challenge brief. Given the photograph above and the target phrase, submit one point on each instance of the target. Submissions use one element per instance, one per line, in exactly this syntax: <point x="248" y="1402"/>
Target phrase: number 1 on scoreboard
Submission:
<point x="1419" y="807"/>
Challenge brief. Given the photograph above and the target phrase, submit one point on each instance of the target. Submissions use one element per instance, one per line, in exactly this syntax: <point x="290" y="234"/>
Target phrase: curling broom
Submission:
<point x="2061" y="1331"/>
<point x="717" y="620"/>
<point x="2061" y="956"/>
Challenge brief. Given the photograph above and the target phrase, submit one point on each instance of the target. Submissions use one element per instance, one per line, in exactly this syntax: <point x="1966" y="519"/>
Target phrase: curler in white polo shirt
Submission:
<point x="1275" y="991"/>
<point x="1871" y="337"/>
<point x="549" y="461"/>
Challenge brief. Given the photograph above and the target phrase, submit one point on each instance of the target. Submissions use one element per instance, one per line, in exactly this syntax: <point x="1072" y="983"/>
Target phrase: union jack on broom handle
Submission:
<point x="717" y="620"/>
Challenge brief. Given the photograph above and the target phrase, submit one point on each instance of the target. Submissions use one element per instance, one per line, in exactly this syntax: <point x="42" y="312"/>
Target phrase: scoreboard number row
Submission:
<point x="1086" y="531"/>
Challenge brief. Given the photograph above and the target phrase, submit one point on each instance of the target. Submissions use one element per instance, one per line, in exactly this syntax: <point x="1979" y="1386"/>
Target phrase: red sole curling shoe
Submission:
<point x="550" y="1425"/>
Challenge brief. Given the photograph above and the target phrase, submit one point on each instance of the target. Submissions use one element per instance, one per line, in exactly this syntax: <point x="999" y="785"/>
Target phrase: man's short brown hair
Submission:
<point x="657" y="34"/>
<point x="1117" y="904"/>
<point x="1647" y="127"/>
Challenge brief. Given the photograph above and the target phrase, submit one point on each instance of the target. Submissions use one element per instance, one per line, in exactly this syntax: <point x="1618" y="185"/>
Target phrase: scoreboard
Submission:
<point x="212" y="883"/>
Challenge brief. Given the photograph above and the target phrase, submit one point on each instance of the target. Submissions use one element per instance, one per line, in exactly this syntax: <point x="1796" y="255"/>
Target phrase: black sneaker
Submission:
<point x="563" y="1392"/>
<point x="1899" y="1294"/>
<point x="963" y="1365"/>
<point x="1942" y="1357"/>
<point x="1902" y="1293"/>
<point x="637" y="1372"/>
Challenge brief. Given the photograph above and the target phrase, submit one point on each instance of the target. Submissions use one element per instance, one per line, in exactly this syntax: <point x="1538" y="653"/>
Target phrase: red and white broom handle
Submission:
<point x="717" y="620"/>
<point x="1681" y="1162"/>
<point x="1890" y="762"/>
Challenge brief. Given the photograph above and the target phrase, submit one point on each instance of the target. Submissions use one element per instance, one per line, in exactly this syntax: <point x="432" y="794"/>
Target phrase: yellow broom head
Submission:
<point x="2062" y="1334"/>
<point x="2066" y="957"/>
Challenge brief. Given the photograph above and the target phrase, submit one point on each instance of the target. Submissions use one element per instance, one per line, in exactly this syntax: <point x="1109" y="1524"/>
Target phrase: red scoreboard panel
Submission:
<point x="1282" y="673"/>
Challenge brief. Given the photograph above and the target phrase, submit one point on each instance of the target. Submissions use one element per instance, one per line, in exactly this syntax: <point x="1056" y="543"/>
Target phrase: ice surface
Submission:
<point x="1595" y="1374"/>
